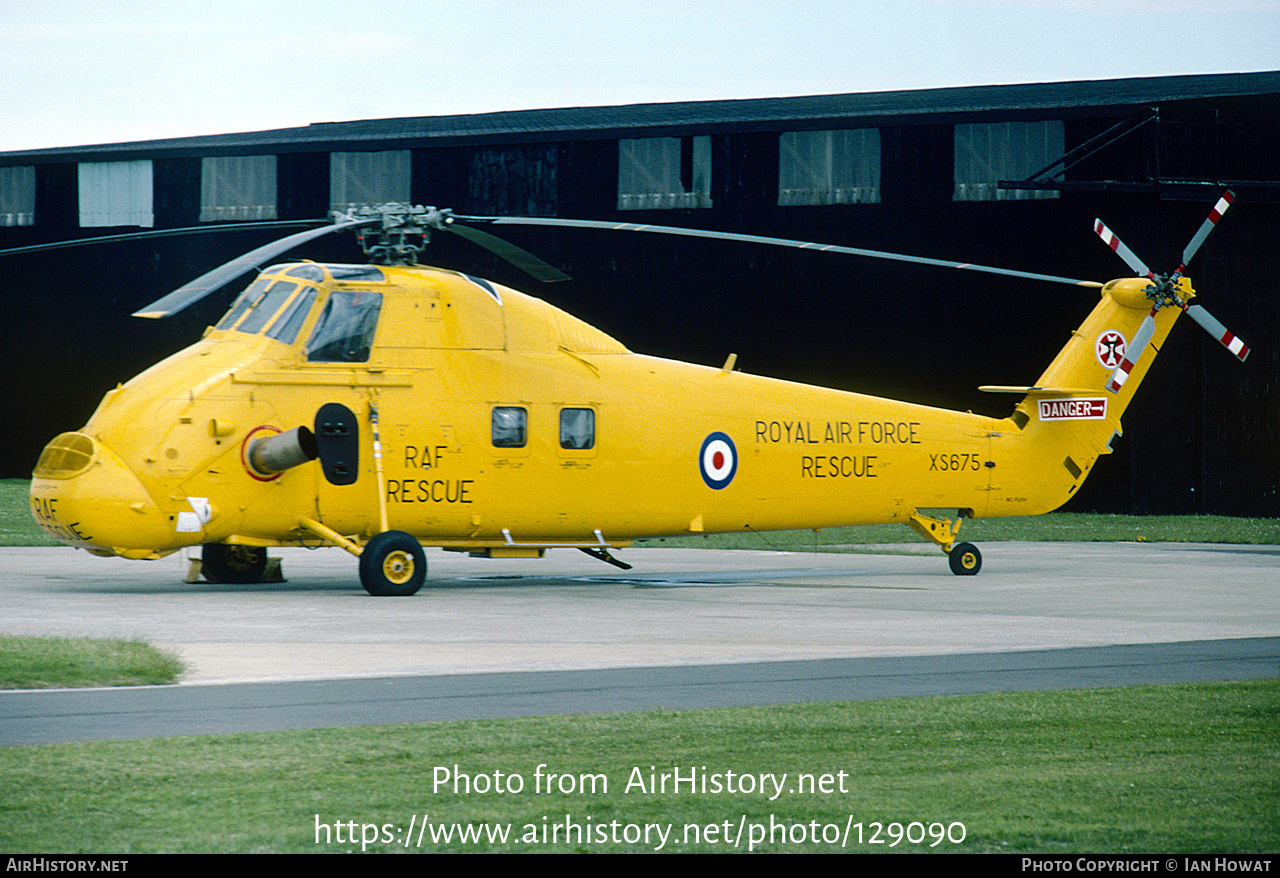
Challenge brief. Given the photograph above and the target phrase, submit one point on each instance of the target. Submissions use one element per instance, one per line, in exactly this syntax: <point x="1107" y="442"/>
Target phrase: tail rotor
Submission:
<point x="1163" y="293"/>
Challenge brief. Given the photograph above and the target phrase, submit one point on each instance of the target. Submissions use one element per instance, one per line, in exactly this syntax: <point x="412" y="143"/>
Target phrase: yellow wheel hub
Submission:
<point x="398" y="567"/>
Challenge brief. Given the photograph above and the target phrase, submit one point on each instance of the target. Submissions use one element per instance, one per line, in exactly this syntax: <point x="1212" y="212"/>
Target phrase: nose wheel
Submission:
<point x="392" y="564"/>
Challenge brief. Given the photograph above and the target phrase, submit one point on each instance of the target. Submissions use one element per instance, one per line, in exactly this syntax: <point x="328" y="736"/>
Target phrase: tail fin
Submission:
<point x="1086" y="364"/>
<point x="1069" y="417"/>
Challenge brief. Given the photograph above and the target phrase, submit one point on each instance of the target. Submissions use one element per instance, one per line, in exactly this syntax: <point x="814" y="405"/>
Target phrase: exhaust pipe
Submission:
<point x="271" y="455"/>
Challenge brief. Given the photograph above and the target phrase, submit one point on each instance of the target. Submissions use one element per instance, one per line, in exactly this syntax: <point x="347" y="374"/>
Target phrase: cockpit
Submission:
<point x="279" y="302"/>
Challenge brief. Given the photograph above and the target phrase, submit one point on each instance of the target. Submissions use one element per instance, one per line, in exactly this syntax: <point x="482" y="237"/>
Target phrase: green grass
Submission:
<point x="45" y="662"/>
<point x="1189" y="768"/>
<point x="17" y="526"/>
<point x="58" y="662"/>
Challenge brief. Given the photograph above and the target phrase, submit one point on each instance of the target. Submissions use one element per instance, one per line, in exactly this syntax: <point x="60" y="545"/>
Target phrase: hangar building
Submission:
<point x="1011" y="176"/>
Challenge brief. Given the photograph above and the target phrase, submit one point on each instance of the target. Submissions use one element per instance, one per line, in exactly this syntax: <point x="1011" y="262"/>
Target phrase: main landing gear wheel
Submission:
<point x="965" y="559"/>
<point x="238" y="564"/>
<point x="392" y="564"/>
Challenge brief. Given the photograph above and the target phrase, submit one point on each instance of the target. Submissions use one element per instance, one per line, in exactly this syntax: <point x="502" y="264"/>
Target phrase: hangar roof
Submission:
<point x="1116" y="96"/>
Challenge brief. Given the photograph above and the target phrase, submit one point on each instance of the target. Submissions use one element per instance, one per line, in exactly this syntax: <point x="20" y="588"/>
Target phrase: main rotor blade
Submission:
<point x="1113" y="241"/>
<point x="776" y="242"/>
<point x="1212" y="326"/>
<point x="1206" y="227"/>
<point x="160" y="233"/>
<point x="517" y="256"/>
<point x="212" y="281"/>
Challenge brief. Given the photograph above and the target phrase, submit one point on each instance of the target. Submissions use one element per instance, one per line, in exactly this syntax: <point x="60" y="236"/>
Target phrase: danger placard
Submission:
<point x="1073" y="409"/>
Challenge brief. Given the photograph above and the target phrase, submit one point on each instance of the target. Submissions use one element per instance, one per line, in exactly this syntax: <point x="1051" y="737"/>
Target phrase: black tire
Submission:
<point x="237" y="564"/>
<point x="965" y="559"/>
<point x="392" y="564"/>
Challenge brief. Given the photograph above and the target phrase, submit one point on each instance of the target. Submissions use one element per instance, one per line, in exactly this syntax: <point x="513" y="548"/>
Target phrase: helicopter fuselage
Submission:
<point x="474" y="417"/>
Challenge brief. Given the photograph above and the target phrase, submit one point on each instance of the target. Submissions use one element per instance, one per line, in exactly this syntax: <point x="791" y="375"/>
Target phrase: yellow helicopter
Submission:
<point x="388" y="406"/>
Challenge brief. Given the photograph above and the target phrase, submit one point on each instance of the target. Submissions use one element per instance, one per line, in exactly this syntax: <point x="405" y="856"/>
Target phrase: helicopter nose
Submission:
<point x="83" y="495"/>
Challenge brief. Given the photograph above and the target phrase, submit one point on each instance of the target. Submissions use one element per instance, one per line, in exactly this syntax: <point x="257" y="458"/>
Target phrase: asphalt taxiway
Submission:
<point x="684" y="628"/>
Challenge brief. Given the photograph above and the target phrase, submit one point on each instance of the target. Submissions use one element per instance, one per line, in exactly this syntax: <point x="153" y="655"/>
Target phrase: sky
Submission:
<point x="81" y="72"/>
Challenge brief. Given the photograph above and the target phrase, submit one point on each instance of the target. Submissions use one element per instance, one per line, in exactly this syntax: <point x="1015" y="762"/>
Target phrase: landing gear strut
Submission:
<point x="963" y="558"/>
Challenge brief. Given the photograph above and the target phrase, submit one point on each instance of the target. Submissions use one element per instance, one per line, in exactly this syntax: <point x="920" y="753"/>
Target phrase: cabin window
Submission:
<point x="116" y="194"/>
<point x="577" y="428"/>
<point x="17" y="195"/>
<point x="286" y="328"/>
<point x="510" y="427"/>
<point x="664" y="173"/>
<point x="237" y="187"/>
<point x="344" y="333"/>
<point x="988" y="153"/>
<point x="267" y="308"/>
<point x="829" y="167"/>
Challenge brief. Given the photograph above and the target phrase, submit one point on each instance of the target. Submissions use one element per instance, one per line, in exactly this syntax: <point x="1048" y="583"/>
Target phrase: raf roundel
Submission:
<point x="718" y="460"/>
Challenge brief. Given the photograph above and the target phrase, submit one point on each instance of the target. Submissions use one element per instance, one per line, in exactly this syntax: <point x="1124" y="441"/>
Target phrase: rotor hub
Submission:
<point x="1164" y="292"/>
<point x="401" y="233"/>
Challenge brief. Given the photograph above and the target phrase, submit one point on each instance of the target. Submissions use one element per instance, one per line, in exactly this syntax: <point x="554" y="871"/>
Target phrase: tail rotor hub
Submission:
<point x="1164" y="292"/>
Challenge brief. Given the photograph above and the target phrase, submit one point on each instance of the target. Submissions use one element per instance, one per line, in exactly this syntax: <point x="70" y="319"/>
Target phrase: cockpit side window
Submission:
<point x="344" y="333"/>
<point x="286" y="328"/>
<point x="244" y="303"/>
<point x="267" y="308"/>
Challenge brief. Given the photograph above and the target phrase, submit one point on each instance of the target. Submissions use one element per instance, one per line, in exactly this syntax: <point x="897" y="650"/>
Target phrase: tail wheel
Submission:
<point x="392" y="564"/>
<point x="238" y="564"/>
<point x="965" y="559"/>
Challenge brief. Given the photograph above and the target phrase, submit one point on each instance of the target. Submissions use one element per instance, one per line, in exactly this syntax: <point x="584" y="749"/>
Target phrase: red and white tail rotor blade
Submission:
<point x="1133" y="352"/>
<point x="1215" y="328"/>
<point x="1207" y="321"/>
<point x="1205" y="228"/>
<point x="1130" y="258"/>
